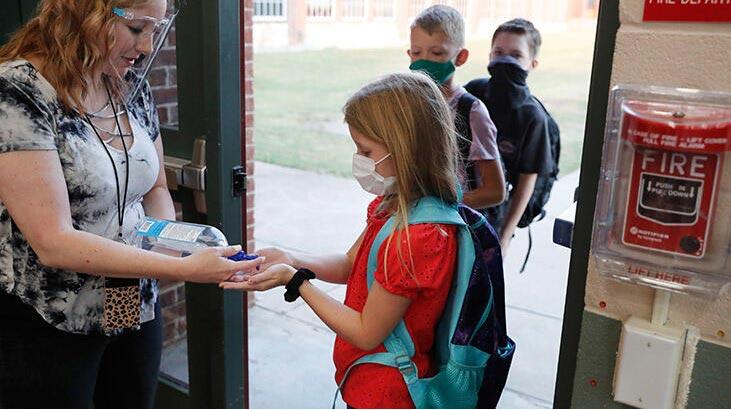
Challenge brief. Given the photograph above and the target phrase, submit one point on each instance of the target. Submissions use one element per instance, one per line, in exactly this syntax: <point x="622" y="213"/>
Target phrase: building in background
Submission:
<point x="310" y="24"/>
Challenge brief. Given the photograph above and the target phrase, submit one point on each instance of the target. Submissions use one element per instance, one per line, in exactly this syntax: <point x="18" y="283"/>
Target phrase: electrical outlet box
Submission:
<point x="648" y="364"/>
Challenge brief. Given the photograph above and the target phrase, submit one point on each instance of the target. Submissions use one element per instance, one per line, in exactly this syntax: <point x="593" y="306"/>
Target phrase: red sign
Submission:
<point x="678" y="152"/>
<point x="688" y="10"/>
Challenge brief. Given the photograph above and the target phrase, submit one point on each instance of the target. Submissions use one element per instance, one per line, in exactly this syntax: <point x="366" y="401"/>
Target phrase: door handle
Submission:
<point x="191" y="174"/>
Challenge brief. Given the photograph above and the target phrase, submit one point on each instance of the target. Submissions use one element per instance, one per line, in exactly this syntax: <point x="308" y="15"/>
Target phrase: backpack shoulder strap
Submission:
<point x="464" y="105"/>
<point x="427" y="210"/>
<point x="464" y="141"/>
<point x="399" y="344"/>
<point x="477" y="87"/>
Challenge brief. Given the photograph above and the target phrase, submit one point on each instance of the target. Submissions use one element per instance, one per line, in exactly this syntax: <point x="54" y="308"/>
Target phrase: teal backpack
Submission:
<point x="471" y="346"/>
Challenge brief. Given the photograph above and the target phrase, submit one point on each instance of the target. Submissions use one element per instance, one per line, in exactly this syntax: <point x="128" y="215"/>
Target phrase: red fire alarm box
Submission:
<point x="664" y="204"/>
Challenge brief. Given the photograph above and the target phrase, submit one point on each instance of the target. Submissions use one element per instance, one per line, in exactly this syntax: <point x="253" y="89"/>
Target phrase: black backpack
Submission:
<point x="534" y="211"/>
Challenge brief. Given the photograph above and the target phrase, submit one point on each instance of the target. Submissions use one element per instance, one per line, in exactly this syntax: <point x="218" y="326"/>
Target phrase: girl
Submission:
<point x="80" y="167"/>
<point x="406" y="150"/>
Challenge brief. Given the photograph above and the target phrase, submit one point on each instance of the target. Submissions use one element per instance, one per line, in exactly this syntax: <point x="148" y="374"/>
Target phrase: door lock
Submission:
<point x="238" y="181"/>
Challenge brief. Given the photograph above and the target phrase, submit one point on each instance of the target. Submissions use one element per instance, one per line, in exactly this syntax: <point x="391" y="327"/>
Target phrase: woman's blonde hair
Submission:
<point x="73" y="38"/>
<point x="409" y="115"/>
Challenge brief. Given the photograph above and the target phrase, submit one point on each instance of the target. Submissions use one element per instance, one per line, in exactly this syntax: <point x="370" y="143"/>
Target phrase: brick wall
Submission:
<point x="247" y="117"/>
<point x="163" y="79"/>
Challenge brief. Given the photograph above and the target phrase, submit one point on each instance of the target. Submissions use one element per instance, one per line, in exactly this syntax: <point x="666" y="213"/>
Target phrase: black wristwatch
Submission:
<point x="293" y="287"/>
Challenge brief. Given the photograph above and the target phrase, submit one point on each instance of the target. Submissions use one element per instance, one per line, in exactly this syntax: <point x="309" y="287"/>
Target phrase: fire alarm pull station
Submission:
<point x="664" y="204"/>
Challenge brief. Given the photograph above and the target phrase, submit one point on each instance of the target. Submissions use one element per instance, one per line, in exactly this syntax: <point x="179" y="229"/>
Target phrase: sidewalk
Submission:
<point x="290" y="349"/>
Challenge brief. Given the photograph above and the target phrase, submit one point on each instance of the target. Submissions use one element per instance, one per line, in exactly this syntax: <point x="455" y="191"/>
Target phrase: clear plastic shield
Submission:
<point x="151" y="28"/>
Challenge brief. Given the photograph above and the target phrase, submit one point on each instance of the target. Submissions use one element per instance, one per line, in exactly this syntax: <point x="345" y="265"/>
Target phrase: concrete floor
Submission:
<point x="290" y="349"/>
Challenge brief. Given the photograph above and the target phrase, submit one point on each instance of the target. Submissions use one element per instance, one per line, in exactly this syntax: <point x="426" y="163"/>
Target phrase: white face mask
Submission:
<point x="364" y="171"/>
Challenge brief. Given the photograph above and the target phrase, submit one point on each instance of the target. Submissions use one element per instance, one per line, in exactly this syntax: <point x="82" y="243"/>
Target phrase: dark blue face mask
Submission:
<point x="507" y="69"/>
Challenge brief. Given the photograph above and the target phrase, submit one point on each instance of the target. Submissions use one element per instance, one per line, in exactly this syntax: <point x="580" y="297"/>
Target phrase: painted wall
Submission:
<point x="691" y="55"/>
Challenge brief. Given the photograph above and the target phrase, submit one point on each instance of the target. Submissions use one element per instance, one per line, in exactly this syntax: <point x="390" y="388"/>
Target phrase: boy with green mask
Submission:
<point x="437" y="48"/>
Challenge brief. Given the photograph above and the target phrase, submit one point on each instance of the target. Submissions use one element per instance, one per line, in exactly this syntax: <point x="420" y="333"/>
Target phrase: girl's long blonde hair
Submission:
<point x="73" y="38"/>
<point x="409" y="115"/>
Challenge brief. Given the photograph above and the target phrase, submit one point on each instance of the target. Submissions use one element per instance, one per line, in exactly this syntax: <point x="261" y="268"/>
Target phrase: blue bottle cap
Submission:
<point x="242" y="256"/>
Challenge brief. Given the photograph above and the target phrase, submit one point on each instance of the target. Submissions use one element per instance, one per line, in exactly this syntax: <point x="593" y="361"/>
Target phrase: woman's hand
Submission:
<point x="275" y="256"/>
<point x="276" y="275"/>
<point x="210" y="265"/>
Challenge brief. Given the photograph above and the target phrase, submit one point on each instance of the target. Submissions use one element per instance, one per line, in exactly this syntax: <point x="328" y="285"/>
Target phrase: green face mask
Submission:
<point x="439" y="72"/>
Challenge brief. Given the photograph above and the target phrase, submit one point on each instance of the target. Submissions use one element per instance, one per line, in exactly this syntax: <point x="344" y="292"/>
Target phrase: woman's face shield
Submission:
<point x="150" y="29"/>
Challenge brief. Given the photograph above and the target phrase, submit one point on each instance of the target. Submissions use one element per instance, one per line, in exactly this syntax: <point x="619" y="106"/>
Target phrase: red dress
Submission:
<point x="434" y="249"/>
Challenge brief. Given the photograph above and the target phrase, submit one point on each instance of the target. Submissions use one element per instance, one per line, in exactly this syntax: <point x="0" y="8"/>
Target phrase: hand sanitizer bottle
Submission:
<point x="177" y="238"/>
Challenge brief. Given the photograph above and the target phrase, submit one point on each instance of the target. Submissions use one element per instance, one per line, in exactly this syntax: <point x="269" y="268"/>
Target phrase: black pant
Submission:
<point x="41" y="366"/>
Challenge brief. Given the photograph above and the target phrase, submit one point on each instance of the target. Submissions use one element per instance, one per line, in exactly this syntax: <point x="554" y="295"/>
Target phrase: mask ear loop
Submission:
<point x="382" y="159"/>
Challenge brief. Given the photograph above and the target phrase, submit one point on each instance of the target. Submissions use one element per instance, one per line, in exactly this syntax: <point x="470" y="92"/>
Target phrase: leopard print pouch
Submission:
<point x="121" y="304"/>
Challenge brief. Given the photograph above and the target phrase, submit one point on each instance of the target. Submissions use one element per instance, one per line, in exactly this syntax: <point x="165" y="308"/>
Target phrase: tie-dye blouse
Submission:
<point x="32" y="119"/>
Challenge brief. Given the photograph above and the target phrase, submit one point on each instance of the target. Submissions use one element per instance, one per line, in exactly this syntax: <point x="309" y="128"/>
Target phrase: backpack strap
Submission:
<point x="478" y="87"/>
<point x="399" y="344"/>
<point x="426" y="210"/>
<point x="463" y="127"/>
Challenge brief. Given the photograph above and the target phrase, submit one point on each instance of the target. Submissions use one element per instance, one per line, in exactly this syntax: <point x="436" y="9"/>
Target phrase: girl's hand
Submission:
<point x="210" y="265"/>
<point x="276" y="275"/>
<point x="275" y="256"/>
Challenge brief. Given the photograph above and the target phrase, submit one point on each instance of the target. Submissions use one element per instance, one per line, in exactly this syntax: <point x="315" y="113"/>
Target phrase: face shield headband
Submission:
<point x="157" y="30"/>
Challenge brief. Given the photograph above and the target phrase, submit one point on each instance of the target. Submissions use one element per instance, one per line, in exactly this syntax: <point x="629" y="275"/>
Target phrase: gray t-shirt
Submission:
<point x="32" y="118"/>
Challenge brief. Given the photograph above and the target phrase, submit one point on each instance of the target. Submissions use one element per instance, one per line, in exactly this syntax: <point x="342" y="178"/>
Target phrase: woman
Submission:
<point x="80" y="167"/>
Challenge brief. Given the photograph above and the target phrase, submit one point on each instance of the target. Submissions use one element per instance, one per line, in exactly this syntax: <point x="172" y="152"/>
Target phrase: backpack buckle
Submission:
<point x="405" y="365"/>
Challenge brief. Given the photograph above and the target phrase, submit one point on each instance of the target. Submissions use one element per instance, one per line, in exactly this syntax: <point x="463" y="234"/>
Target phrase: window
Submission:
<point x="460" y="5"/>
<point x="416" y="6"/>
<point x="270" y="9"/>
<point x="382" y="8"/>
<point x="353" y="8"/>
<point x="320" y="9"/>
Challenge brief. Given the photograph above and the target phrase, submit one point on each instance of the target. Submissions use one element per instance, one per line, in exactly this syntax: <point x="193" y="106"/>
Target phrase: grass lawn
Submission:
<point x="299" y="97"/>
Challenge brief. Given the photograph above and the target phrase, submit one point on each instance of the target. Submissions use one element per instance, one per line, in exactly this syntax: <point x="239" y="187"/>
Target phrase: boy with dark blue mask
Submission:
<point x="522" y="123"/>
<point x="437" y="48"/>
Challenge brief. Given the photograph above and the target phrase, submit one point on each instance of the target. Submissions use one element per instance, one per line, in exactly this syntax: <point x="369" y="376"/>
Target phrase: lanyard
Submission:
<point x="123" y="200"/>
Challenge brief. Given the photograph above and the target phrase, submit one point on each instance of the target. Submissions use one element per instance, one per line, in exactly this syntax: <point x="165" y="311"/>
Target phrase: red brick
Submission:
<point x="251" y="183"/>
<point x="173" y="76"/>
<point x="162" y="113"/>
<point x="166" y="57"/>
<point x="173" y="312"/>
<point x="171" y="39"/>
<point x="166" y="95"/>
<point x="158" y="77"/>
<point x="166" y="284"/>
<point x="168" y="297"/>
<point x="169" y="334"/>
